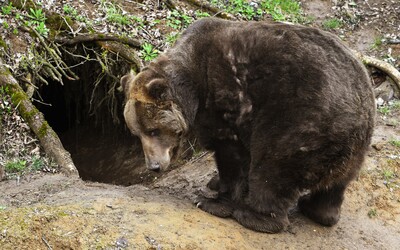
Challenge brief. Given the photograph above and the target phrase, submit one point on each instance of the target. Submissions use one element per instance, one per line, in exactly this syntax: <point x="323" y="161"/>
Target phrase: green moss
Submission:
<point x="3" y="44"/>
<point x="43" y="130"/>
<point x="18" y="97"/>
<point x="55" y="22"/>
<point x="29" y="115"/>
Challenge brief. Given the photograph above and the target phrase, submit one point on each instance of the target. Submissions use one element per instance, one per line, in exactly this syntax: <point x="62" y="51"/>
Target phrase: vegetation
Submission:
<point x="395" y="142"/>
<point x="149" y="52"/>
<point x="37" y="21"/>
<point x="16" y="166"/>
<point x="279" y="10"/>
<point x="389" y="107"/>
<point x="6" y="10"/>
<point x="384" y="110"/>
<point x="332" y="23"/>
<point x="372" y="213"/>
<point x="179" y="20"/>
<point x="377" y="43"/>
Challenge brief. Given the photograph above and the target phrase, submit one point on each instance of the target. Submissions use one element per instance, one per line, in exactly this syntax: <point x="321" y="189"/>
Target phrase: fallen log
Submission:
<point x="48" y="138"/>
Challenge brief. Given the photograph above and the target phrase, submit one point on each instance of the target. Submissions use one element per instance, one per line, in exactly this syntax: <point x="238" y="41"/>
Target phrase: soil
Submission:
<point x="52" y="211"/>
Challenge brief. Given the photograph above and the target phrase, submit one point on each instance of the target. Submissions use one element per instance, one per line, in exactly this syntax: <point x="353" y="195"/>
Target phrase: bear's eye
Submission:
<point x="153" y="132"/>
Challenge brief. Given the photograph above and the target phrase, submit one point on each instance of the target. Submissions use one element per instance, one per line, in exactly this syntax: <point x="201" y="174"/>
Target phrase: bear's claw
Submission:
<point x="215" y="207"/>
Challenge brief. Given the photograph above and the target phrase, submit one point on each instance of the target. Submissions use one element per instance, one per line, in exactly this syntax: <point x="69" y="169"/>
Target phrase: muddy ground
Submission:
<point x="51" y="211"/>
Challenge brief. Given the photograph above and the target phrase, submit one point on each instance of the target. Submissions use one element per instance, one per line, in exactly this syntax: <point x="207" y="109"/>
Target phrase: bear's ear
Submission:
<point x="126" y="81"/>
<point x="158" y="89"/>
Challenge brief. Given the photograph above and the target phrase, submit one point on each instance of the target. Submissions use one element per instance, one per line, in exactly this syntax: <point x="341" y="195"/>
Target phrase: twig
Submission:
<point x="71" y="75"/>
<point x="196" y="159"/>
<point x="393" y="41"/>
<point x="47" y="243"/>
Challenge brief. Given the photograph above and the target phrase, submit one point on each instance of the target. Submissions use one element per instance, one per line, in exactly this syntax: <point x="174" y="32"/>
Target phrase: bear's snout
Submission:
<point x="157" y="155"/>
<point x="154" y="167"/>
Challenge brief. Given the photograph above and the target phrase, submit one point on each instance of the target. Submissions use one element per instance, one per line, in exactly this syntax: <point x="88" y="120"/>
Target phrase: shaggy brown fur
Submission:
<point x="285" y="108"/>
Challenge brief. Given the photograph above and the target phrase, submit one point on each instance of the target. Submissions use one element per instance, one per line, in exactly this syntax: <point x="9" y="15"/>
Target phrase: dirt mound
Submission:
<point x="55" y="212"/>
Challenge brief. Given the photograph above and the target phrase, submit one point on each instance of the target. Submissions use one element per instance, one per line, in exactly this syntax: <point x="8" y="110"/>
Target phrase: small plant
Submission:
<point x="149" y="52"/>
<point x="69" y="10"/>
<point x="17" y="166"/>
<point x="199" y="14"/>
<point x="372" y="213"/>
<point x="114" y="15"/>
<point x="395" y="143"/>
<point x="37" y="164"/>
<point x="42" y="29"/>
<point x="37" y="21"/>
<point x="5" y="25"/>
<point x="384" y="110"/>
<point x="178" y="20"/>
<point x="5" y="107"/>
<point x="6" y="10"/>
<point x="172" y="37"/>
<point x="280" y="10"/>
<point x="377" y="43"/>
<point x="395" y="105"/>
<point x="37" y="16"/>
<point x="139" y="21"/>
<point x="332" y="23"/>
<point x="388" y="174"/>
<point x="3" y="91"/>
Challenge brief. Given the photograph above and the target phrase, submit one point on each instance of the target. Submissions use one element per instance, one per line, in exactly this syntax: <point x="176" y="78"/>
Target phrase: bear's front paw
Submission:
<point x="266" y="223"/>
<point x="217" y="207"/>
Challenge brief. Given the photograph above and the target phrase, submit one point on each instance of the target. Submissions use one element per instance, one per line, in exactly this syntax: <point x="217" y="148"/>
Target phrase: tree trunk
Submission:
<point x="48" y="138"/>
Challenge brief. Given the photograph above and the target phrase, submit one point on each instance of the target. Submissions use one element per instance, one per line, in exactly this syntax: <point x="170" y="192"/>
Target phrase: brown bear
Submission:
<point x="288" y="111"/>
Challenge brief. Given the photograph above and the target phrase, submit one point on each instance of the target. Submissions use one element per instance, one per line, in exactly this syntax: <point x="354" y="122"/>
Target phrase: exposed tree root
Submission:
<point x="96" y="38"/>
<point x="385" y="67"/>
<point x="124" y="51"/>
<point x="48" y="138"/>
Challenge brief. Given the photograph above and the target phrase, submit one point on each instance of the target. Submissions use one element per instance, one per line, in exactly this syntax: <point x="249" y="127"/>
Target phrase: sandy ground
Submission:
<point x="56" y="212"/>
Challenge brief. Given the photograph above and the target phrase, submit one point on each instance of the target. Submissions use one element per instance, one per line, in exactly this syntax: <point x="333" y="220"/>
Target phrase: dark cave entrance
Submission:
<point x="87" y="116"/>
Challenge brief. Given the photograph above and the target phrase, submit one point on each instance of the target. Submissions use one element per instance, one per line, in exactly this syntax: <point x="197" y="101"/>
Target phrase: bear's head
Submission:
<point x="152" y="115"/>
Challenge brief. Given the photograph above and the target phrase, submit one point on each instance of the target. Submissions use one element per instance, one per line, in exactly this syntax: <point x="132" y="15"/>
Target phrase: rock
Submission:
<point x="384" y="92"/>
<point x="378" y="146"/>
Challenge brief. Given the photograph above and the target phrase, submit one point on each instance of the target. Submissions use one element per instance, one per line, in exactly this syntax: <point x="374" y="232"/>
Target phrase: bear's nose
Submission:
<point x="154" y="167"/>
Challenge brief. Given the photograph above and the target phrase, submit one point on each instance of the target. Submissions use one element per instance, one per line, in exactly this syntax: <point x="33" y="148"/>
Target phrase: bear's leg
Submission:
<point x="268" y="201"/>
<point x="323" y="205"/>
<point x="233" y="161"/>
